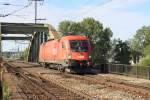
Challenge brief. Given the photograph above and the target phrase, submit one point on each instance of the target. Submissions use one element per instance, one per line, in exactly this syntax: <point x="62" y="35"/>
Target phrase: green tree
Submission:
<point x="122" y="52"/>
<point x="138" y="44"/>
<point x="136" y="50"/>
<point x="69" y="27"/>
<point x="102" y="45"/>
<point x="143" y="36"/>
<point x="99" y="37"/>
<point x="92" y="29"/>
<point x="64" y="26"/>
<point x="113" y="44"/>
<point x="24" y="54"/>
<point x="145" y="61"/>
<point x="75" y="28"/>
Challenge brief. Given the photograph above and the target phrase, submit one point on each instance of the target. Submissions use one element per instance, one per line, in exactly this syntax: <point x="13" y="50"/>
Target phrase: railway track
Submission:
<point x="111" y="83"/>
<point x="37" y="88"/>
<point x="106" y="82"/>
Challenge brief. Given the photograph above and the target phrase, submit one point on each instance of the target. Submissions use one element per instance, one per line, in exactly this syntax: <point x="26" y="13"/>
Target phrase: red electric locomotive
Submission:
<point x="69" y="53"/>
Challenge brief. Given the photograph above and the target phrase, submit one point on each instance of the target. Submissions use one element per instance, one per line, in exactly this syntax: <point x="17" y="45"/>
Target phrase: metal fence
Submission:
<point x="135" y="71"/>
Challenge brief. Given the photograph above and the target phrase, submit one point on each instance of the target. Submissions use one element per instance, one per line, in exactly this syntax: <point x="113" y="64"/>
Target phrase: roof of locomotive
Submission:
<point x="74" y="37"/>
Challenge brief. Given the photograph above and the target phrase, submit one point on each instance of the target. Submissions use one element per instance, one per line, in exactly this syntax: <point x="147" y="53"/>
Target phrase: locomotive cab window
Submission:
<point x="79" y="45"/>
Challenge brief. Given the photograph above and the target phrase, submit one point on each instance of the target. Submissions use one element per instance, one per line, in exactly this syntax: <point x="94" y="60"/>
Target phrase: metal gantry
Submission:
<point x="35" y="33"/>
<point x="37" y="39"/>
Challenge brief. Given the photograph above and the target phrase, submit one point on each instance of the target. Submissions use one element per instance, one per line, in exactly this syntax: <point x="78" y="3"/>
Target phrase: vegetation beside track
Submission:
<point x="1" y="93"/>
<point x="5" y="91"/>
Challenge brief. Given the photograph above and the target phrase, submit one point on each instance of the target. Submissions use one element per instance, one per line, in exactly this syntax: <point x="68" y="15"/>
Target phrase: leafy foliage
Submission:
<point x="120" y="52"/>
<point x="123" y="52"/>
<point x="24" y="55"/>
<point x="140" y="43"/>
<point x="64" y="26"/>
<point x="146" y="59"/>
<point x="69" y="27"/>
<point x="136" y="50"/>
<point x="92" y="29"/>
<point x="143" y="36"/>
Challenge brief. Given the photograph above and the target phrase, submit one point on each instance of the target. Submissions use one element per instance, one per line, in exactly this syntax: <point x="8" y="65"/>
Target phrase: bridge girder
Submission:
<point x="39" y="33"/>
<point x="37" y="39"/>
<point x="15" y="38"/>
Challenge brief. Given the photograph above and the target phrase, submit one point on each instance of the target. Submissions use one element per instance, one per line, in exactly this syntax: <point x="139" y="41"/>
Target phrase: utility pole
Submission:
<point x="0" y="44"/>
<point x="35" y="8"/>
<point x="35" y="11"/>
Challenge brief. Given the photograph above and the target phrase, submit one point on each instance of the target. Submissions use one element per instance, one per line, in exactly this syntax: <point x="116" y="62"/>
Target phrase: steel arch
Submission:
<point x="37" y="39"/>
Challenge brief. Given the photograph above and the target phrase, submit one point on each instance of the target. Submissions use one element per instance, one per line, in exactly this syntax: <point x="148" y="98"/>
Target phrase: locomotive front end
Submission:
<point x="79" y="56"/>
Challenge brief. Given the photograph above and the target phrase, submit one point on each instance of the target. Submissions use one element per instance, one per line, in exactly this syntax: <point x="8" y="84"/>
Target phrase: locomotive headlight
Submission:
<point x="90" y="57"/>
<point x="69" y="56"/>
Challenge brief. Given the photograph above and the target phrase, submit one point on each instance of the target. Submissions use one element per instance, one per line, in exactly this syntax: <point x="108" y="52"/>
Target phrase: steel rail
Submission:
<point x="122" y="86"/>
<point x="44" y="84"/>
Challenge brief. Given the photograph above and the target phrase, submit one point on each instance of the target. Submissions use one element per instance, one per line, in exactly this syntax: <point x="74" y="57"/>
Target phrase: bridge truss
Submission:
<point x="35" y="33"/>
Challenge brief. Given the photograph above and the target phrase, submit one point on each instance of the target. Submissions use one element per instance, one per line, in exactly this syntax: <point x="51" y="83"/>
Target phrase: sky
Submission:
<point x="123" y="17"/>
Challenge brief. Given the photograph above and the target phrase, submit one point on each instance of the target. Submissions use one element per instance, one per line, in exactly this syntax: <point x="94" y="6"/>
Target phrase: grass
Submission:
<point x="5" y="91"/>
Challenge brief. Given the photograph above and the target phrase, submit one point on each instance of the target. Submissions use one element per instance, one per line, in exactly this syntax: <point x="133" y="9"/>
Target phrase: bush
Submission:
<point x="145" y="61"/>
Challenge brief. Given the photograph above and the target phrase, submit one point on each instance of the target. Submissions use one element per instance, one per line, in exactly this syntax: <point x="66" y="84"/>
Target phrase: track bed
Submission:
<point x="82" y="86"/>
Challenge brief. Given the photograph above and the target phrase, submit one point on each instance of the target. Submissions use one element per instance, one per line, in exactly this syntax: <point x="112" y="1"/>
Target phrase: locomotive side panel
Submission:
<point x="70" y="52"/>
<point x="50" y="51"/>
<point x="41" y="53"/>
<point x="62" y="50"/>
